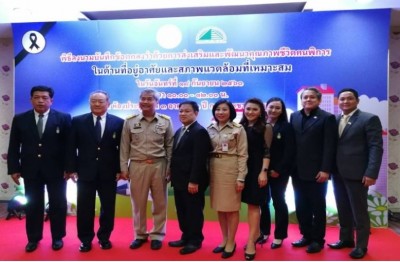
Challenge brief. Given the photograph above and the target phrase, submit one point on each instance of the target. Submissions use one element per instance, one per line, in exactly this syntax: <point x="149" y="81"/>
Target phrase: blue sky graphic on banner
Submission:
<point x="207" y="58"/>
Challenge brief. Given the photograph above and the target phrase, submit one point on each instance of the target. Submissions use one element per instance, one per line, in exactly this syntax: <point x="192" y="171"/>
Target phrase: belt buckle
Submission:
<point x="149" y="161"/>
<point x="218" y="155"/>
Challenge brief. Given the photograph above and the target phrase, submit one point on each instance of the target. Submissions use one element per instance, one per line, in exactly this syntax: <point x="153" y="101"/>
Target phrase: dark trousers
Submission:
<point x="86" y="203"/>
<point x="34" y="192"/>
<point x="189" y="208"/>
<point x="276" y="191"/>
<point x="311" y="208"/>
<point x="352" y="206"/>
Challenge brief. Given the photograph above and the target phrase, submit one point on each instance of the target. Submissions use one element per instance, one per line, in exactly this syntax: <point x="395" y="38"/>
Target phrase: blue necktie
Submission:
<point x="98" y="129"/>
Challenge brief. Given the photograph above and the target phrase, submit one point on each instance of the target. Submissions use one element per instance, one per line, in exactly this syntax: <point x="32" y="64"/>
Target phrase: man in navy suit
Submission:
<point x="358" y="160"/>
<point x="189" y="177"/>
<point x="93" y="157"/>
<point x="36" y="153"/>
<point x="316" y="136"/>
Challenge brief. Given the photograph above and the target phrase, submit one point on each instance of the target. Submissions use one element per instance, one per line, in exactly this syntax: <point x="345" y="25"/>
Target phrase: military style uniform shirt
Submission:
<point x="230" y="140"/>
<point x="142" y="140"/>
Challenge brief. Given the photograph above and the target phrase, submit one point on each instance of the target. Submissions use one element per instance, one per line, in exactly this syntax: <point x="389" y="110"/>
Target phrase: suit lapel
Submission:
<point x="90" y="124"/>
<point x="33" y="124"/>
<point x="310" y="122"/>
<point x="351" y="121"/>
<point x="184" y="136"/>
<point x="107" y="128"/>
<point x="176" y="136"/>
<point x="297" y="121"/>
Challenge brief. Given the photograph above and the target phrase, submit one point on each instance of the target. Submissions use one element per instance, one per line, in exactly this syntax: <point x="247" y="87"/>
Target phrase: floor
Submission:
<point x="394" y="218"/>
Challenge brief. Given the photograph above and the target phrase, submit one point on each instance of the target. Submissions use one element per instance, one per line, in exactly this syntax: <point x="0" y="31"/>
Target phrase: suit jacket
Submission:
<point x="28" y="154"/>
<point x="189" y="162"/>
<point x="283" y="149"/>
<point x="360" y="150"/>
<point x="92" y="160"/>
<point x="315" y="143"/>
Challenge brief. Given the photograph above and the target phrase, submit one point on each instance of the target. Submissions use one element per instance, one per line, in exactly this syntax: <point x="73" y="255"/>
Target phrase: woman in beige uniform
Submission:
<point x="228" y="169"/>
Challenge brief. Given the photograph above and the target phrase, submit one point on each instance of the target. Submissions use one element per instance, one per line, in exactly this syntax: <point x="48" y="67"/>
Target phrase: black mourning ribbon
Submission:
<point x="33" y="38"/>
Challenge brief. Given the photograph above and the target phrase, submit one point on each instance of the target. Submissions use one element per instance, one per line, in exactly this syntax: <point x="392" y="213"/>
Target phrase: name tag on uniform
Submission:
<point x="225" y="147"/>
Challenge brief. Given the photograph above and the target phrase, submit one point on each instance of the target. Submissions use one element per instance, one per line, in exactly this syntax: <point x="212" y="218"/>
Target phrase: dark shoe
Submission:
<point x="57" y="244"/>
<point x="358" y="252"/>
<point x="177" y="243"/>
<point x="342" y="244"/>
<point x="188" y="249"/>
<point x="85" y="247"/>
<point x="31" y="246"/>
<point x="301" y="243"/>
<point x="155" y="244"/>
<point x="226" y="254"/>
<point x="105" y="244"/>
<point x="262" y="239"/>
<point x="218" y="249"/>
<point x="314" y="247"/>
<point x="276" y="245"/>
<point x="137" y="243"/>
<point x="249" y="257"/>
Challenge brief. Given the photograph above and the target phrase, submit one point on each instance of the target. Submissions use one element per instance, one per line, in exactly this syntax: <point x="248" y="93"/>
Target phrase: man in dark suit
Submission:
<point x="189" y="177"/>
<point x="316" y="136"/>
<point x="358" y="160"/>
<point x="93" y="157"/>
<point x="36" y="153"/>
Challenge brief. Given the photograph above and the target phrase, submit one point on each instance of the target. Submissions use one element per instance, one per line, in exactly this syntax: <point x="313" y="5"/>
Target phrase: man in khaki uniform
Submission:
<point x="146" y="148"/>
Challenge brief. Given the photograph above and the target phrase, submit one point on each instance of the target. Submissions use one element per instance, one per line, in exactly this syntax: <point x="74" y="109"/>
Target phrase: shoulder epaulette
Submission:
<point x="164" y="116"/>
<point x="132" y="116"/>
<point x="236" y="124"/>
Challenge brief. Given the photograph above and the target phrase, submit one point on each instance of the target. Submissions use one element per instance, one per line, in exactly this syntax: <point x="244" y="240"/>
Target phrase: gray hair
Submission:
<point x="152" y="92"/>
<point x="99" y="92"/>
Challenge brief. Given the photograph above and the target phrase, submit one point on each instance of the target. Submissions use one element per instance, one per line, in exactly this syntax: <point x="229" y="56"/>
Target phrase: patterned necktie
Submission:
<point x="343" y="122"/>
<point x="40" y="126"/>
<point x="98" y="128"/>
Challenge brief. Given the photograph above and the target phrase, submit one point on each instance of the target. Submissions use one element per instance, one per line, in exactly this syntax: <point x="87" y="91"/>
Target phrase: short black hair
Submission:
<point x="232" y="111"/>
<point x="42" y="89"/>
<point x="194" y="105"/>
<point x="351" y="90"/>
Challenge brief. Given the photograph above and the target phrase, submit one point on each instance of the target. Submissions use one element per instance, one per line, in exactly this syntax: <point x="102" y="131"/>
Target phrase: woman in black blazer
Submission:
<point x="282" y="158"/>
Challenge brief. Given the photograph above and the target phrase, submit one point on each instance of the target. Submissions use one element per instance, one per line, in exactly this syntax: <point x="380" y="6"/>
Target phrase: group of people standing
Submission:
<point x="249" y="161"/>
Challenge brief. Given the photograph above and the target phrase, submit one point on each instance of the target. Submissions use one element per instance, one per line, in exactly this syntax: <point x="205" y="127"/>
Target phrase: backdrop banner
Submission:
<point x="208" y="58"/>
